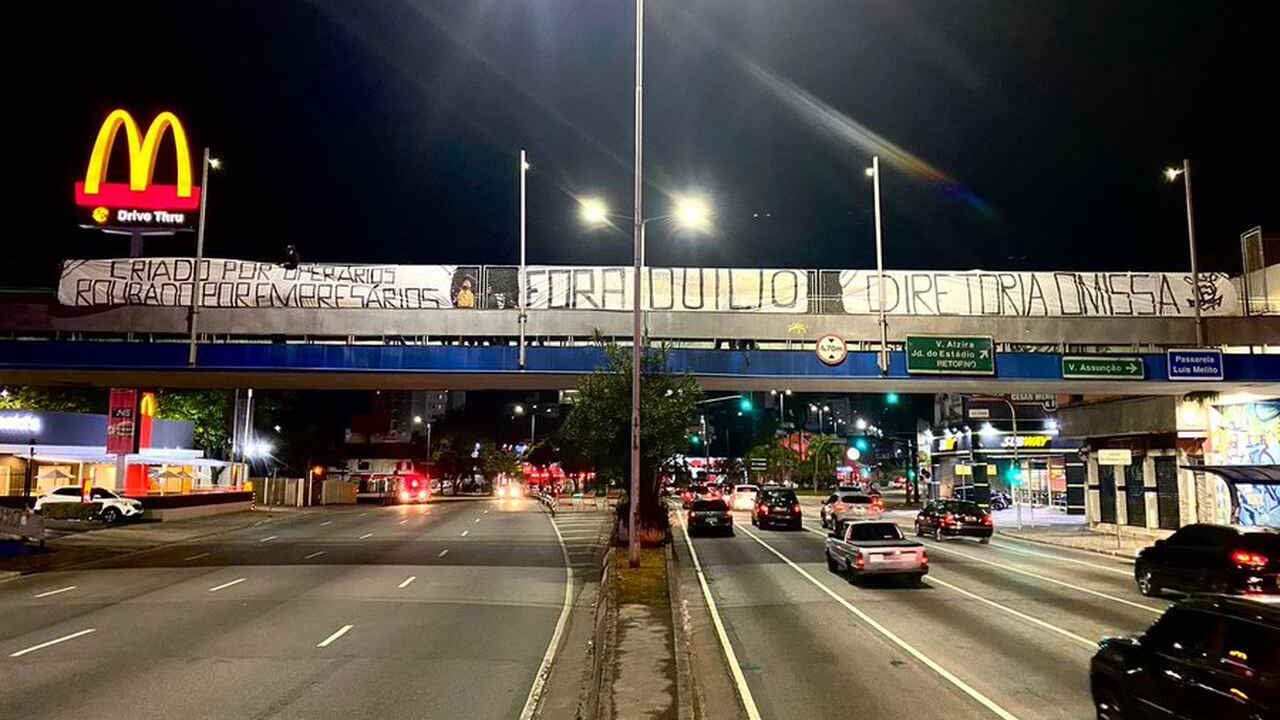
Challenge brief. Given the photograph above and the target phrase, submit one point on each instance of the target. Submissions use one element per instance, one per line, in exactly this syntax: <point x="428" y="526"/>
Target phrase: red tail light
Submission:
<point x="924" y="557"/>
<point x="763" y="510"/>
<point x="986" y="519"/>
<point x="858" y="562"/>
<point x="1248" y="559"/>
<point x="691" y="516"/>
<point x="795" y="509"/>
<point x="948" y="519"/>
<point x="838" y="507"/>
<point x="878" y="502"/>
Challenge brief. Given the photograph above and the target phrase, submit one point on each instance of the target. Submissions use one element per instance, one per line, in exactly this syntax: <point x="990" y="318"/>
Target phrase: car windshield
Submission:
<point x="710" y="505"/>
<point x="962" y="506"/>
<point x="867" y="532"/>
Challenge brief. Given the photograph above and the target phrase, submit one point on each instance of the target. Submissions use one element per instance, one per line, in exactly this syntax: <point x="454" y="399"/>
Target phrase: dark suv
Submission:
<point x="1211" y="558"/>
<point x="776" y="506"/>
<point x="1214" y="657"/>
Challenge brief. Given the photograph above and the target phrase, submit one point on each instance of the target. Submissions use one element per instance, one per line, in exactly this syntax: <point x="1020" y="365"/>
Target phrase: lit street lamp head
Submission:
<point x="593" y="211"/>
<point x="692" y="212"/>
<point x="871" y="172"/>
<point x="1171" y="174"/>
<point x="215" y="163"/>
<point x="519" y="409"/>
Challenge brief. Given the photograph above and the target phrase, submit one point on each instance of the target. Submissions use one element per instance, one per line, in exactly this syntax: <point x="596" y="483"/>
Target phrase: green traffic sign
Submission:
<point x="1102" y="367"/>
<point x="950" y="355"/>
<point x="759" y="464"/>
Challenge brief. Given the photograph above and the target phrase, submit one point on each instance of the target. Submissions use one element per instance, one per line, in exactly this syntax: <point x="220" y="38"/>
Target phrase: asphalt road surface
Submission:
<point x="1003" y="630"/>
<point x="436" y="611"/>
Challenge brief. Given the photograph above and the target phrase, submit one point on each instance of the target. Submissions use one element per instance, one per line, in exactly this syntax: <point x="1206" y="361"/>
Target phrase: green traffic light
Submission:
<point x="695" y="439"/>
<point x="911" y="474"/>
<point x="891" y="399"/>
<point x="1013" y="475"/>
<point x="862" y="444"/>
<point x="745" y="404"/>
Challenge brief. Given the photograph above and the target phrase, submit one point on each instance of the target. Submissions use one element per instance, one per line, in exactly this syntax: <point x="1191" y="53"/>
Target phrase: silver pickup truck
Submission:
<point x="859" y="548"/>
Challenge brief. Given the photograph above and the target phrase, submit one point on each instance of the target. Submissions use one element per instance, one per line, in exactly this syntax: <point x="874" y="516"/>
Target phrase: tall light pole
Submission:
<point x="633" y="537"/>
<point x="1171" y="174"/>
<point x="883" y="358"/>
<point x="196" y="282"/>
<point x="524" y="317"/>
<point x="782" y="404"/>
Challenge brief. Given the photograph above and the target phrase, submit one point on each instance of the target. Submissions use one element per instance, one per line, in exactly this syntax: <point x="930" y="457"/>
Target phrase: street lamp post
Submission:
<point x="520" y="292"/>
<point x="1171" y="174"/>
<point x="1017" y="463"/>
<point x="782" y="404"/>
<point x="196" y="282"/>
<point x="883" y="357"/>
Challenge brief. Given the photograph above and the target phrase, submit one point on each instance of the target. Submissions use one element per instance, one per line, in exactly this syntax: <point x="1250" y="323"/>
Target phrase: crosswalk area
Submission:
<point x="586" y="537"/>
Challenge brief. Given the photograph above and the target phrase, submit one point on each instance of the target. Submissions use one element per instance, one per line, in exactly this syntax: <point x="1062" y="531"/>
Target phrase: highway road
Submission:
<point x="1003" y="630"/>
<point x="399" y="612"/>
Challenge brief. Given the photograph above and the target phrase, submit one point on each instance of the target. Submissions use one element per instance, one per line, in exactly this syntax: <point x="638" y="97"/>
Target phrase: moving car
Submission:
<point x="858" y="548"/>
<point x="1206" y="658"/>
<point x="850" y="505"/>
<point x="776" y="506"/>
<point x="510" y="491"/>
<point x="744" y="497"/>
<point x="114" y="507"/>
<point x="1211" y="558"/>
<point x="711" y="515"/>
<point x="695" y="491"/>
<point x="954" y="518"/>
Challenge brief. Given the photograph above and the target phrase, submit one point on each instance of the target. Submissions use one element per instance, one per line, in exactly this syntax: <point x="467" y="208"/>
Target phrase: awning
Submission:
<point x="1248" y="474"/>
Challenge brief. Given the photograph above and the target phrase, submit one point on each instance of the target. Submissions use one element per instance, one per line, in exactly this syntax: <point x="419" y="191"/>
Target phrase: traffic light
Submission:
<point x="862" y="444"/>
<point x="891" y="399"/>
<point x="695" y="439"/>
<point x="911" y="474"/>
<point x="1013" y="475"/>
<point x="745" y="404"/>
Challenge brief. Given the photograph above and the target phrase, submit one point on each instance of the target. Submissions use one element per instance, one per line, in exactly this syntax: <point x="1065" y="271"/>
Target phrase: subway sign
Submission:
<point x="139" y="204"/>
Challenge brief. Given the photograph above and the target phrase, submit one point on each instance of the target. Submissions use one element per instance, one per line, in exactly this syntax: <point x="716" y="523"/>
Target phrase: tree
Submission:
<point x="496" y="460"/>
<point x="67" y="400"/>
<point x="825" y="452"/>
<point x="599" y="425"/>
<point x="782" y="460"/>
<point x="206" y="410"/>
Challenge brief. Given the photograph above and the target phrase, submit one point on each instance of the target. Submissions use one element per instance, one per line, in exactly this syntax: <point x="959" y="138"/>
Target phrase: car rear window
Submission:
<point x="856" y="499"/>
<point x="866" y="532"/>
<point x="960" y="506"/>
<point x="746" y="488"/>
<point x="1266" y="542"/>
<point x="698" y="489"/>
<point x="778" y="496"/>
<point x="709" y="505"/>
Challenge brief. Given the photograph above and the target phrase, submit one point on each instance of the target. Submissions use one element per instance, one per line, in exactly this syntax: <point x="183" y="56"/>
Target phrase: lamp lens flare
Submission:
<point x="593" y="211"/>
<point x="692" y="212"/>
<point x="1171" y="174"/>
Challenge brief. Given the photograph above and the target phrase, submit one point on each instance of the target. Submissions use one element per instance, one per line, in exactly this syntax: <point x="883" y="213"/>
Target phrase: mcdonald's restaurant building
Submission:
<point x="1154" y="464"/>
<point x="53" y="449"/>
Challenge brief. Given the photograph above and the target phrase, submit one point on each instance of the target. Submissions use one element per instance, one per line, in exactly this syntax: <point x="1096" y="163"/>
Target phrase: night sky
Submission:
<point x="1023" y="134"/>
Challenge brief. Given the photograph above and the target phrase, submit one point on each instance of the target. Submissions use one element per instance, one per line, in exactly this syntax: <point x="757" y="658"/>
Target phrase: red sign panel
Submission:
<point x="122" y="421"/>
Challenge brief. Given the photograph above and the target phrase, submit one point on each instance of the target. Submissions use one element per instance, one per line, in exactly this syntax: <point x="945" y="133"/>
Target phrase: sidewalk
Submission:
<point x="1079" y="537"/>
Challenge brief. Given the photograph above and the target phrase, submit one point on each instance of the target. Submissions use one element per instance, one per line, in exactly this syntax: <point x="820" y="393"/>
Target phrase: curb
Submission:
<point x="679" y="642"/>
<point x="1097" y="551"/>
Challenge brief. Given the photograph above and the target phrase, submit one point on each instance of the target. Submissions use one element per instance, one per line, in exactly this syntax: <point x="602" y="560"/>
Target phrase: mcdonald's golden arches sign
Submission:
<point x="140" y="203"/>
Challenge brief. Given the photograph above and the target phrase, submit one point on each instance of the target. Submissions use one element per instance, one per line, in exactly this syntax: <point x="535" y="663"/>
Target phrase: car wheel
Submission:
<point x="916" y="581"/>
<point x="919" y="531"/>
<point x="831" y="564"/>
<point x="985" y="540"/>
<point x="1147" y="583"/>
<point x="111" y="516"/>
<point x="937" y="533"/>
<point x="1107" y="703"/>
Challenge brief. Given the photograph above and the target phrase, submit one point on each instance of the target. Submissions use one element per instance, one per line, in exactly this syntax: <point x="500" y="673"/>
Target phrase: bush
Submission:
<point x="71" y="511"/>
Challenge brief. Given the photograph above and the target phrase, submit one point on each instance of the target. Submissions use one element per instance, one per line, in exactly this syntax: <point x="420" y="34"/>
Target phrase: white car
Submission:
<point x="114" y="507"/>
<point x="744" y="497"/>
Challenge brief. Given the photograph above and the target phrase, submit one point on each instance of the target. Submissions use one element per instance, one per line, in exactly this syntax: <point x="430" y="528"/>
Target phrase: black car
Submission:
<point x="954" y="518"/>
<point x="776" y="506"/>
<point x="1211" y="558"/>
<point x="1208" y="658"/>
<point x="710" y="515"/>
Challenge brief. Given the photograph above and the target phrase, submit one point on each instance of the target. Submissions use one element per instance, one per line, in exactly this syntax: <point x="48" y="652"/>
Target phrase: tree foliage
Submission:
<point x="599" y="424"/>
<point x="782" y="460"/>
<point x="68" y="400"/>
<point x="206" y="410"/>
<point x="496" y="460"/>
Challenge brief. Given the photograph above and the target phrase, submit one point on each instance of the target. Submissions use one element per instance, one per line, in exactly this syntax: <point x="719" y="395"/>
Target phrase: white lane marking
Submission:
<point x="1105" y="596"/>
<point x="486" y="512"/>
<point x="443" y="552"/>
<point x="964" y="687"/>
<point x="326" y="522"/>
<point x="405" y="583"/>
<point x="197" y="556"/>
<point x="540" y="679"/>
<point x="1090" y="644"/>
<point x="477" y="519"/>
<point x="731" y="658"/>
<point x="269" y="538"/>
<point x="363" y="514"/>
<point x="403" y="521"/>
<point x="56" y="592"/>
<point x="54" y="641"/>
<point x="226" y="585"/>
<point x="313" y="555"/>
<point x="336" y="634"/>
<point x="1021" y="551"/>
<point x="365" y="536"/>
<point x="464" y="533"/>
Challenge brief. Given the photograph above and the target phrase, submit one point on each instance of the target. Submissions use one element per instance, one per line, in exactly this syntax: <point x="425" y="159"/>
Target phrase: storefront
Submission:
<point x="973" y="463"/>
<point x="46" y="450"/>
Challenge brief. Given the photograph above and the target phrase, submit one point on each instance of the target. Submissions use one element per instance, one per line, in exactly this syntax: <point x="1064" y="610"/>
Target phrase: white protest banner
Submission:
<point x="675" y="289"/>
<point x="167" y="282"/>
<point x="1037" y="294"/>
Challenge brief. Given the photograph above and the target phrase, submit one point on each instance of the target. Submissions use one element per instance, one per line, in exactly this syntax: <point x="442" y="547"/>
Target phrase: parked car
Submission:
<point x="744" y="497"/>
<point x="858" y="548"/>
<point x="851" y="506"/>
<point x="776" y="506"/>
<point x="710" y="515"/>
<point x="1211" y="558"/>
<point x="1208" y="657"/>
<point x="954" y="518"/>
<point x="114" y="507"/>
